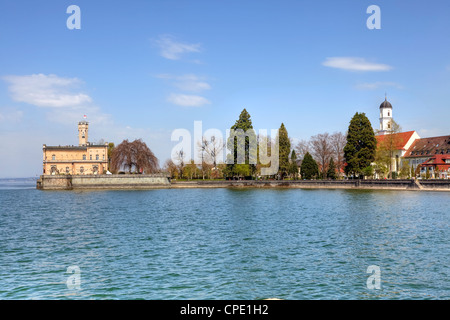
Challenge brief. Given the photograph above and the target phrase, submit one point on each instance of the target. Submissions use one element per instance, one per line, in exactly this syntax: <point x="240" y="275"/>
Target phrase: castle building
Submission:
<point x="86" y="158"/>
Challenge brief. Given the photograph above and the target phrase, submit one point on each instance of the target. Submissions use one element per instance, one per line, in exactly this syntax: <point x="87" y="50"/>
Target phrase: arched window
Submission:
<point x="53" y="157"/>
<point x="81" y="169"/>
<point x="97" y="157"/>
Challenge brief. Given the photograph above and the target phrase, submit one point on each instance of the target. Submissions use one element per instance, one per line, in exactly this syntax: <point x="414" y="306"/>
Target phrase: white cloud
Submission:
<point x="58" y="95"/>
<point x="70" y="116"/>
<point x="172" y="49"/>
<point x="187" y="82"/>
<point x="376" y="85"/>
<point x="195" y="86"/>
<point x="46" y="90"/>
<point x="354" y="64"/>
<point x="185" y="100"/>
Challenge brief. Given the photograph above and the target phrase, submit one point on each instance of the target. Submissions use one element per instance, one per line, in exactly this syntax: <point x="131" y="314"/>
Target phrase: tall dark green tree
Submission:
<point x="331" y="172"/>
<point x="360" y="150"/>
<point x="284" y="151"/>
<point x="309" y="168"/>
<point x="235" y="165"/>
<point x="293" y="168"/>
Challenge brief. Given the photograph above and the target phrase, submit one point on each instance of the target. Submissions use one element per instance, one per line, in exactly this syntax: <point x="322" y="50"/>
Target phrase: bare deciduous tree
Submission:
<point x="321" y="150"/>
<point x="302" y="148"/>
<point x="213" y="148"/>
<point x="338" y="141"/>
<point x="180" y="159"/>
<point x="171" y="168"/>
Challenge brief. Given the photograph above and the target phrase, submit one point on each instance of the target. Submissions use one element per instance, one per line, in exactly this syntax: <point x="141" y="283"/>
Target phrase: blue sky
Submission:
<point x="141" y="69"/>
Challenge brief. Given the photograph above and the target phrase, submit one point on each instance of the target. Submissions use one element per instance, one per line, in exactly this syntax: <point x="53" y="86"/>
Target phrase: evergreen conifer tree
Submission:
<point x="331" y="173"/>
<point x="284" y="151"/>
<point x="360" y="150"/>
<point x="309" y="168"/>
<point x="248" y="168"/>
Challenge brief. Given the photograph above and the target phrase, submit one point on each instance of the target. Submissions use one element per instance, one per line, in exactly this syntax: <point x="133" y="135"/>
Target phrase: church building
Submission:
<point x="422" y="155"/>
<point x="401" y="141"/>
<point x="86" y="158"/>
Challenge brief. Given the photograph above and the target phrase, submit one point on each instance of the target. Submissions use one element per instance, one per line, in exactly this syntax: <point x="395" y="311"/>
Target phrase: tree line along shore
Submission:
<point x="325" y="156"/>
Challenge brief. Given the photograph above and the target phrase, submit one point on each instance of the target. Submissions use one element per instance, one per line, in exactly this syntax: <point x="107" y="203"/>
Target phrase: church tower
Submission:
<point x="385" y="117"/>
<point x="83" y="127"/>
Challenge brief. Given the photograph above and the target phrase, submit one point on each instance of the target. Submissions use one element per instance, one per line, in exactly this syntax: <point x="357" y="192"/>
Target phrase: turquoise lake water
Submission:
<point x="222" y="243"/>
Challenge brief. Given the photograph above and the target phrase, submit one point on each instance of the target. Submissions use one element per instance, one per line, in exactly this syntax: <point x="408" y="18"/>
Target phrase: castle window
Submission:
<point x="53" y="157"/>
<point x="90" y="157"/>
<point x="104" y="155"/>
<point x="81" y="169"/>
<point x="96" y="157"/>
<point x="84" y="157"/>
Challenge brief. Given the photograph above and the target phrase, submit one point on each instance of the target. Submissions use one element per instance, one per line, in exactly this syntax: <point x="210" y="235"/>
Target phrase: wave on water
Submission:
<point x="17" y="183"/>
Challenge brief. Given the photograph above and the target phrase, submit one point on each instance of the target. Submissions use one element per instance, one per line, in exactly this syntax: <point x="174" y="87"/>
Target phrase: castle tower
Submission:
<point x="385" y="117"/>
<point x="83" y="127"/>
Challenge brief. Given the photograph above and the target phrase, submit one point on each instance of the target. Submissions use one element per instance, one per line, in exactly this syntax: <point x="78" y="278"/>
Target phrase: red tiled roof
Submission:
<point x="438" y="159"/>
<point x="401" y="138"/>
<point x="429" y="146"/>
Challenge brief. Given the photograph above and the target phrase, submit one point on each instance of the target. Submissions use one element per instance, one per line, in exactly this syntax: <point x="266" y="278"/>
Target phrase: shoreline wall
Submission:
<point x="69" y="182"/>
<point x="152" y="181"/>
<point x="409" y="184"/>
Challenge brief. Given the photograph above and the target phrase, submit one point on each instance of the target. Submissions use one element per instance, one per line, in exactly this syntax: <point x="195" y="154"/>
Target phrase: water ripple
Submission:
<point x="223" y="244"/>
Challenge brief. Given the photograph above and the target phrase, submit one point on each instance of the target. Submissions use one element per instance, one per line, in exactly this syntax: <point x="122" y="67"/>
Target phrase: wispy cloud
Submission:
<point x="172" y="49"/>
<point x="377" y="85"/>
<point x="187" y="82"/>
<point x="46" y="90"/>
<point x="62" y="95"/>
<point x="11" y="115"/>
<point x="185" y="100"/>
<point x="354" y="64"/>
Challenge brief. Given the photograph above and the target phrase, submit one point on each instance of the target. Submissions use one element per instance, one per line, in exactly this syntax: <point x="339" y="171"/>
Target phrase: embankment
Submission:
<point x="434" y="185"/>
<point x="131" y="181"/>
<point x="68" y="182"/>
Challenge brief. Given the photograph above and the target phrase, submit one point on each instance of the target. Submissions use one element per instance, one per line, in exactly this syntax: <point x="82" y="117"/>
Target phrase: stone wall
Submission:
<point x="69" y="182"/>
<point x="438" y="185"/>
<point x="129" y="181"/>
